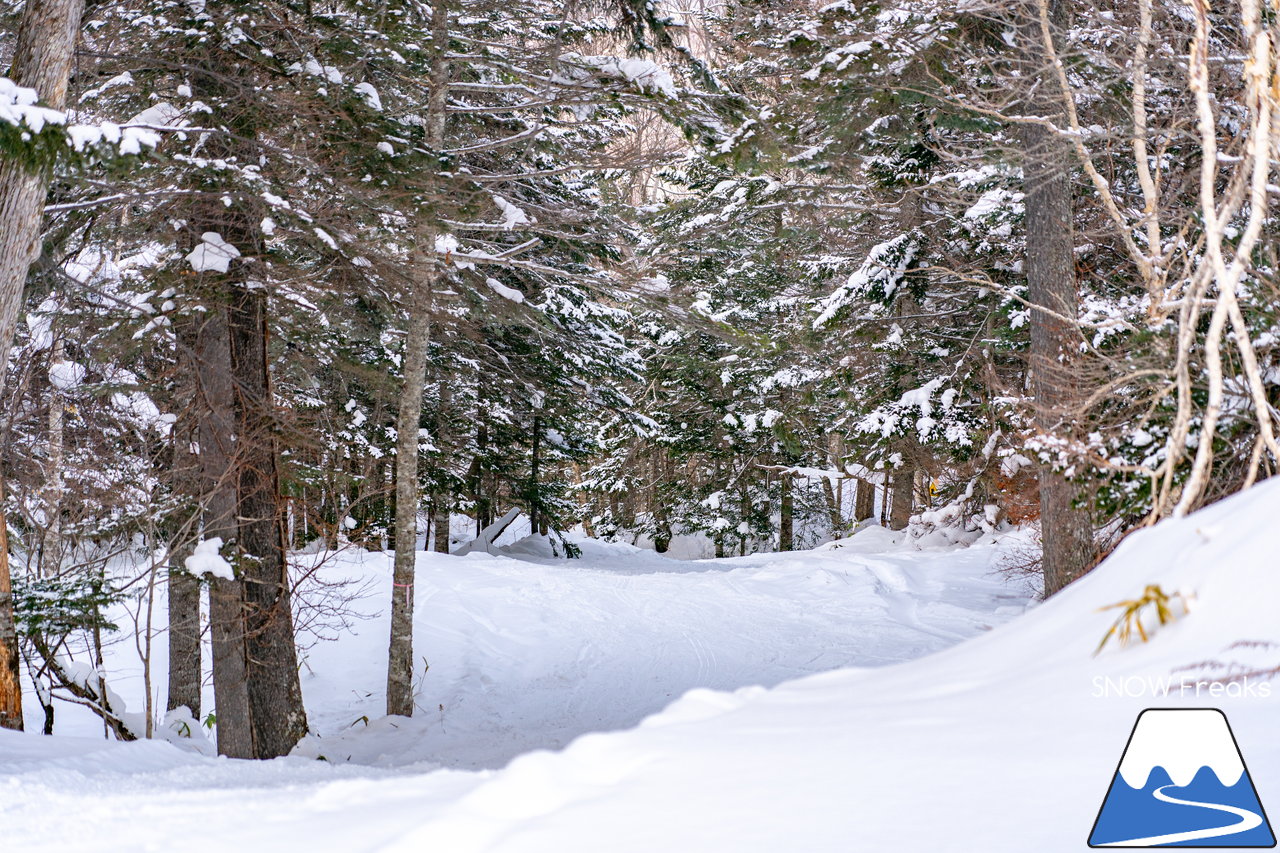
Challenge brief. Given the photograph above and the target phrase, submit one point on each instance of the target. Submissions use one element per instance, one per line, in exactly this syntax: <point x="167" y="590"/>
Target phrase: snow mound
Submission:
<point x="1004" y="743"/>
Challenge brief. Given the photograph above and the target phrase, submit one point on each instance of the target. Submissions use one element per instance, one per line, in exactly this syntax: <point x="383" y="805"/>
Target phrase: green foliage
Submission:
<point x="55" y="607"/>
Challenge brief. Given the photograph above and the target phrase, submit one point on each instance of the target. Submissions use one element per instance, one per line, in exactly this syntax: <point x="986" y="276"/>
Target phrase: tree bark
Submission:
<point x="52" y="540"/>
<point x="42" y="61"/>
<point x="535" y="503"/>
<point x="215" y="416"/>
<point x="864" y="501"/>
<point x="400" y="651"/>
<point x="184" y="589"/>
<point x="786" y="523"/>
<point x="833" y="509"/>
<point x="400" y="669"/>
<point x="1066" y="531"/>
<point x="900" y="501"/>
<point x="278" y="717"/>
<point x="440" y="522"/>
<point x="400" y="654"/>
<point x="184" y="636"/>
<point x="10" y="683"/>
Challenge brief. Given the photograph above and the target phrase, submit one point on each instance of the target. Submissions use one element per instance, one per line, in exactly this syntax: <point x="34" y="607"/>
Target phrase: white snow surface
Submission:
<point x="906" y="737"/>
<point x="206" y="560"/>
<point x="213" y="254"/>
<point x="66" y="375"/>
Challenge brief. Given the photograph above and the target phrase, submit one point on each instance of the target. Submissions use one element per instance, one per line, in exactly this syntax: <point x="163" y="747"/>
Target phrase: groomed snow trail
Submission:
<point x="531" y="652"/>
<point x="1004" y="743"/>
<point x="526" y="653"/>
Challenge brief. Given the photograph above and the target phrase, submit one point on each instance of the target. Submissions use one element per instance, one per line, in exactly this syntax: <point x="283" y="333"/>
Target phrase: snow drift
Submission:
<point x="1005" y="742"/>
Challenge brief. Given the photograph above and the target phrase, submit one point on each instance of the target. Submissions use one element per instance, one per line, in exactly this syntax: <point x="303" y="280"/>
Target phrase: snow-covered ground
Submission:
<point x="1006" y="741"/>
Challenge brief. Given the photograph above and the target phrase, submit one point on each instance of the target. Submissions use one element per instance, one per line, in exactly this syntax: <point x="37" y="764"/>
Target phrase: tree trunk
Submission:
<point x="786" y="528"/>
<point x="659" y="465"/>
<point x="900" y="500"/>
<point x="864" y="501"/>
<point x="51" y="550"/>
<point x="42" y="61"/>
<point x="535" y="504"/>
<point x="184" y="674"/>
<point x="184" y="588"/>
<point x="214" y="411"/>
<point x="440" y="522"/>
<point x="10" y="683"/>
<point x="1066" y="532"/>
<point x="400" y="652"/>
<point x="184" y="636"/>
<point x="833" y="509"/>
<point x="484" y="503"/>
<point x="275" y="694"/>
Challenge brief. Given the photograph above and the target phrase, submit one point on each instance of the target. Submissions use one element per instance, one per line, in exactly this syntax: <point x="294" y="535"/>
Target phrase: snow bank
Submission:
<point x="1006" y="742"/>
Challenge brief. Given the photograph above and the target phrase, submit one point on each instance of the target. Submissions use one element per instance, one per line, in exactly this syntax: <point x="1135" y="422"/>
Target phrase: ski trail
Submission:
<point x="1248" y="820"/>
<point x="902" y="596"/>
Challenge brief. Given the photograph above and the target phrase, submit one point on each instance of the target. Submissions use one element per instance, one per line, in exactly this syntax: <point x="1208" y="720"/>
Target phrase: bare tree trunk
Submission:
<point x="41" y="61"/>
<point x="661" y="516"/>
<point x="278" y="717"/>
<point x="833" y="508"/>
<point x="400" y="651"/>
<point x="184" y="588"/>
<point x="786" y="523"/>
<point x="440" y="523"/>
<point x="400" y="655"/>
<point x="10" y="684"/>
<point x="215" y="415"/>
<point x="864" y="501"/>
<point x="184" y="636"/>
<point x="900" y="505"/>
<point x="442" y="501"/>
<point x="1066" y="532"/>
<point x="51" y="550"/>
<point x="484" y="502"/>
<point x="535" y="508"/>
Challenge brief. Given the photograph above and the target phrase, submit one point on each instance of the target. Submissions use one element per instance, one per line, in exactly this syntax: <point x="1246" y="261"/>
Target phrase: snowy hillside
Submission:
<point x="1005" y="742"/>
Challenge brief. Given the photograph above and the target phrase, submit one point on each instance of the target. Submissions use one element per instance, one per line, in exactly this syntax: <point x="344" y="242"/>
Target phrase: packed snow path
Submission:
<point x="526" y="652"/>
<point x="1003" y="743"/>
<point x="532" y="652"/>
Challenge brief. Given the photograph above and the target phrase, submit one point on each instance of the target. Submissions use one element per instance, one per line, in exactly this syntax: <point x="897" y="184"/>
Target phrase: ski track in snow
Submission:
<point x="532" y="653"/>
<point x="1001" y="743"/>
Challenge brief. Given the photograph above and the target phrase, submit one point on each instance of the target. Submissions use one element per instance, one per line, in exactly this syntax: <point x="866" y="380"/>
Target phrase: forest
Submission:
<point x="285" y="284"/>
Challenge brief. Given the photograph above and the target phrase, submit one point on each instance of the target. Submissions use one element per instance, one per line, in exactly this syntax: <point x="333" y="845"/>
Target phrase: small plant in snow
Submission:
<point x="1130" y="618"/>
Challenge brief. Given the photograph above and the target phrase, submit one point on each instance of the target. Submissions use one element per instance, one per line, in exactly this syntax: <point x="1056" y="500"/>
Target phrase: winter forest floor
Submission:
<point x="997" y="743"/>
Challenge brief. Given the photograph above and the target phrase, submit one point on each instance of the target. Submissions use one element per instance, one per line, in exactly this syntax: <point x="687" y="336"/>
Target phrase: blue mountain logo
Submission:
<point x="1182" y="783"/>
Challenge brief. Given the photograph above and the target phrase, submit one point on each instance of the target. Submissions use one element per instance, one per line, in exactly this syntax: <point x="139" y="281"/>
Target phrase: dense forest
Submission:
<point x="283" y="278"/>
